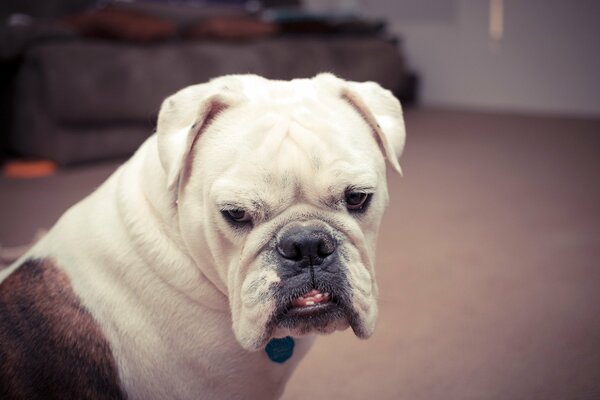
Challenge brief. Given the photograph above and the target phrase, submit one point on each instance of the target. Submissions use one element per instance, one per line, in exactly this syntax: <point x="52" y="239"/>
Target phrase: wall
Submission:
<point x="548" y="60"/>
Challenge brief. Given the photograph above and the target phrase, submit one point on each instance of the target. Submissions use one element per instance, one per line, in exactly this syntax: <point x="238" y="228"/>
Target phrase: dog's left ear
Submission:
<point x="381" y="110"/>
<point x="182" y="119"/>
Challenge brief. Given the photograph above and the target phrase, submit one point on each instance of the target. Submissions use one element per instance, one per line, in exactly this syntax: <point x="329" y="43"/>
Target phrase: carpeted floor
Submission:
<point x="489" y="264"/>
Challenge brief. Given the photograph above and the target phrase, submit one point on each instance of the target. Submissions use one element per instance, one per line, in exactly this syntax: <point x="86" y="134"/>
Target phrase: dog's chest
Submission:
<point x="214" y="369"/>
<point x="183" y="352"/>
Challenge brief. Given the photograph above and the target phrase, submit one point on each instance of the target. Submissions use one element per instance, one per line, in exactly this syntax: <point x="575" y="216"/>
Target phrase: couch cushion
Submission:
<point x="108" y="82"/>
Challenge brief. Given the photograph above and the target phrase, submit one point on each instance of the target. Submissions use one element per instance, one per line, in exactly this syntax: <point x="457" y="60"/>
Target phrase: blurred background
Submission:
<point x="488" y="262"/>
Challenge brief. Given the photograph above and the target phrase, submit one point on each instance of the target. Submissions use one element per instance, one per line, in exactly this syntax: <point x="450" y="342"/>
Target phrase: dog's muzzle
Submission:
<point x="314" y="291"/>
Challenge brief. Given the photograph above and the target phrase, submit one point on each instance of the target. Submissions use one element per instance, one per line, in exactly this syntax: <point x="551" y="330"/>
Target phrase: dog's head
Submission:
<point x="280" y="190"/>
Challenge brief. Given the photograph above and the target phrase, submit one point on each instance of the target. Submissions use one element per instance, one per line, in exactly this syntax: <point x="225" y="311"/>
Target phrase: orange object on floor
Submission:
<point x="29" y="169"/>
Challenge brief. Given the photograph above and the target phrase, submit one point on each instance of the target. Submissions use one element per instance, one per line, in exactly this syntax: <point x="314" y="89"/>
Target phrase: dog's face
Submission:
<point x="280" y="190"/>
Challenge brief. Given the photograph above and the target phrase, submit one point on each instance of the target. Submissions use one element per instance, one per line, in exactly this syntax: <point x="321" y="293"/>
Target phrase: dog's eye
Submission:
<point x="357" y="201"/>
<point x="237" y="215"/>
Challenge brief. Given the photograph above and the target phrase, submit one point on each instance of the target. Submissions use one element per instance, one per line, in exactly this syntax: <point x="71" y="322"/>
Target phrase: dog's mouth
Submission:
<point x="316" y="310"/>
<point x="310" y="303"/>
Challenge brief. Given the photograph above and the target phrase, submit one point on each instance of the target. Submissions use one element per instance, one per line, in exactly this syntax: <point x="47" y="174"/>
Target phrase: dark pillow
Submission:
<point x="231" y="28"/>
<point x="120" y="24"/>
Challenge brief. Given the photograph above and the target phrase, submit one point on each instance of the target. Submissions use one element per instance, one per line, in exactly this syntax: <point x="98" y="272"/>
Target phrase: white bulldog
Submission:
<point x="204" y="265"/>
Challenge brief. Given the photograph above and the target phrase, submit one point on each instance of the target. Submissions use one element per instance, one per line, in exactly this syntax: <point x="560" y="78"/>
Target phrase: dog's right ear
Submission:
<point x="182" y="119"/>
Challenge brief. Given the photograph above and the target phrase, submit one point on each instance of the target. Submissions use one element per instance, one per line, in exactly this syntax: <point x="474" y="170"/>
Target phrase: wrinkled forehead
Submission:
<point x="306" y="148"/>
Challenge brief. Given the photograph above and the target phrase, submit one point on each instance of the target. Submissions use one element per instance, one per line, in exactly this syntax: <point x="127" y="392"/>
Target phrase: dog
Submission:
<point x="207" y="263"/>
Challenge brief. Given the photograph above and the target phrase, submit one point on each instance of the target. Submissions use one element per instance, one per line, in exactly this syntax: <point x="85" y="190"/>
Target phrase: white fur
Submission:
<point x="178" y="292"/>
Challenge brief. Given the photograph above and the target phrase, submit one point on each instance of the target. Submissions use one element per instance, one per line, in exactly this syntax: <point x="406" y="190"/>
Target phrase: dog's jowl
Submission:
<point x="206" y="265"/>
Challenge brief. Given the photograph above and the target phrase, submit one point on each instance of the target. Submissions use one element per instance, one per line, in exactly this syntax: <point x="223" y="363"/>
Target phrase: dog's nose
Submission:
<point x="301" y="243"/>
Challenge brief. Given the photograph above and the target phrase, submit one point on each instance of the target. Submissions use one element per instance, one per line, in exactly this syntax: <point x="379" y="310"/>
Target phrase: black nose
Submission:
<point x="300" y="243"/>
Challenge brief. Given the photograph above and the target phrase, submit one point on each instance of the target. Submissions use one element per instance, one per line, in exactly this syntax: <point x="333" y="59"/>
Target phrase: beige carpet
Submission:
<point x="488" y="264"/>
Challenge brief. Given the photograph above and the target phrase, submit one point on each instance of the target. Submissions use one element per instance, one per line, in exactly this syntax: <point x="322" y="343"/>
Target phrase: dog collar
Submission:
<point x="280" y="350"/>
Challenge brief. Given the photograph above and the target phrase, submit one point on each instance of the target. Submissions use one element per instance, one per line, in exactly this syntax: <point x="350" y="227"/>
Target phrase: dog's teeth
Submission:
<point x="318" y="296"/>
<point x="310" y="303"/>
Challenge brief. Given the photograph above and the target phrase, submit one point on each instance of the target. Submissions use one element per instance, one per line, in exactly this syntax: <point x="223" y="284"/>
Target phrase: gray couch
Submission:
<point x="81" y="100"/>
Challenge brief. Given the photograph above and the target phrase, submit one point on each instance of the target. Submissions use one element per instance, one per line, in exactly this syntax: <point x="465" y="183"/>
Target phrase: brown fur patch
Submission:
<point x="50" y="345"/>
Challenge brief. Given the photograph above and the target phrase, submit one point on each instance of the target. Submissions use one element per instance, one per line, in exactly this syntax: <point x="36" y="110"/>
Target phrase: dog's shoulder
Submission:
<point x="50" y="345"/>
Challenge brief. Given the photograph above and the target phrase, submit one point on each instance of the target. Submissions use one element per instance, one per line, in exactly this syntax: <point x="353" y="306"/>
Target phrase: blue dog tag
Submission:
<point x="280" y="350"/>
